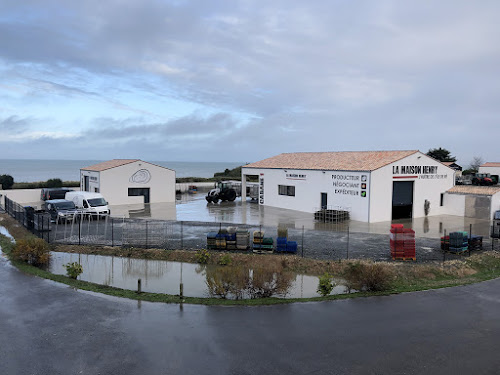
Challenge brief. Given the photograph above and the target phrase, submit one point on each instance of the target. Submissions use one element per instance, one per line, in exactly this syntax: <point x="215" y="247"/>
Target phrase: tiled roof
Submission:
<point x="332" y="161"/>
<point x="490" y="164"/>
<point x="474" y="190"/>
<point x="109" y="164"/>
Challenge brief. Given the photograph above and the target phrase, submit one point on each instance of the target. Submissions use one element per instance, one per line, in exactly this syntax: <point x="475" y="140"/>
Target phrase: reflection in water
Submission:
<point x="159" y="276"/>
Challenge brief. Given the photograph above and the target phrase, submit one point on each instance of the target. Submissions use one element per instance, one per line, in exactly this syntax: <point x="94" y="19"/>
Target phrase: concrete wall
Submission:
<point x="25" y="197"/>
<point x="343" y="190"/>
<point x="454" y="204"/>
<point x="202" y="186"/>
<point x="114" y="183"/>
<point x="429" y="184"/>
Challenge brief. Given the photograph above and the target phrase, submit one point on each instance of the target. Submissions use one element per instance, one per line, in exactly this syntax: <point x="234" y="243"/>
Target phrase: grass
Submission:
<point x="404" y="277"/>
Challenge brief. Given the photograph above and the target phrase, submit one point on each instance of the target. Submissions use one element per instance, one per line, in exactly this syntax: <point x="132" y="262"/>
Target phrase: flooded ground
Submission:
<point x="195" y="208"/>
<point x="5" y="232"/>
<point x="159" y="276"/>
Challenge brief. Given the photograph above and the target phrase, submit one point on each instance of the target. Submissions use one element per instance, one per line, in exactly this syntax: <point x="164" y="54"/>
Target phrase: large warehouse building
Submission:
<point x="129" y="181"/>
<point x="491" y="168"/>
<point x="373" y="186"/>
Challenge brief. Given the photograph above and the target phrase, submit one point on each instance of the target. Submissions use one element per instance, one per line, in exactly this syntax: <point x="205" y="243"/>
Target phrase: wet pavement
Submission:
<point x="49" y="329"/>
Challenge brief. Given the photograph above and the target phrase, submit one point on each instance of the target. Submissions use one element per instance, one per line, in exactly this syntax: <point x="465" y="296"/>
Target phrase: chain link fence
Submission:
<point x="333" y="241"/>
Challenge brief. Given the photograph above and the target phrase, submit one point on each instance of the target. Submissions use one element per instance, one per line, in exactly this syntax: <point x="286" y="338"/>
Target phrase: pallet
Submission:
<point x="404" y="258"/>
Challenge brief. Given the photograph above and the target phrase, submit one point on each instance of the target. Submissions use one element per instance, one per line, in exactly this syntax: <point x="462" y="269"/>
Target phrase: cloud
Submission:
<point x="14" y="125"/>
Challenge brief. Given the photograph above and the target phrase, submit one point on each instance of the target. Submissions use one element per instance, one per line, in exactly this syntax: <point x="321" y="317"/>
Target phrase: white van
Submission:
<point x="91" y="203"/>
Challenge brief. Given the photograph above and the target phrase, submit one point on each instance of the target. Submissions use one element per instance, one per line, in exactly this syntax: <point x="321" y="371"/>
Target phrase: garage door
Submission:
<point x="402" y="199"/>
<point x="477" y="207"/>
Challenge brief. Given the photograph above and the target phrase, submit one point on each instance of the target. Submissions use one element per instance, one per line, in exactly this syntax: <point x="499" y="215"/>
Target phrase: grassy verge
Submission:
<point x="404" y="277"/>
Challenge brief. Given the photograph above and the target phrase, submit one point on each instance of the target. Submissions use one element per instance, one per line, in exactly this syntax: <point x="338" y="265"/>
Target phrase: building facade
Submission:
<point x="491" y="168"/>
<point x="373" y="186"/>
<point x="129" y="181"/>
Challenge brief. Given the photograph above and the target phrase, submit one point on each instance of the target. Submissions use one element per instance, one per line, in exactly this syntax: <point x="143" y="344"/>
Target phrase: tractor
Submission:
<point x="223" y="191"/>
<point x="482" y="179"/>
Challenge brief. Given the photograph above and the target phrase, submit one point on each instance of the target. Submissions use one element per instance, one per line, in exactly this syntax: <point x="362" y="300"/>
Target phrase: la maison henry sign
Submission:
<point x="424" y="172"/>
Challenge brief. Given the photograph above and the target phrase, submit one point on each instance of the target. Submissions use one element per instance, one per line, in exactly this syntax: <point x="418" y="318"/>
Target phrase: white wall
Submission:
<point x="25" y="197"/>
<point x="115" y="182"/>
<point x="428" y="184"/>
<point x="495" y="204"/>
<point x="343" y="190"/>
<point x="454" y="204"/>
<point x="94" y="178"/>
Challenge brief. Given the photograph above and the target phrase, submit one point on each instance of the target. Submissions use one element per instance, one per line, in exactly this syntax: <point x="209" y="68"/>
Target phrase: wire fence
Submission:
<point x="334" y="241"/>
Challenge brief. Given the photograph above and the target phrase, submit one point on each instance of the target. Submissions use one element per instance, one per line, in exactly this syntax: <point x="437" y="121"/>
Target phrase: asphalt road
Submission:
<point x="48" y="328"/>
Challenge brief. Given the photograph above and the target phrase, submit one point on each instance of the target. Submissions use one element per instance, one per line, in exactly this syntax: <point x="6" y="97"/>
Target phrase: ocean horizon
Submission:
<point x="27" y="170"/>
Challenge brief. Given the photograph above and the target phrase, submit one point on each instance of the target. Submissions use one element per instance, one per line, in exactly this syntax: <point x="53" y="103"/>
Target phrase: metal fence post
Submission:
<point x="182" y="235"/>
<point x="112" y="234"/>
<point x="146" y="234"/>
<point x="302" y="241"/>
<point x="80" y="230"/>
<point x="348" y="242"/>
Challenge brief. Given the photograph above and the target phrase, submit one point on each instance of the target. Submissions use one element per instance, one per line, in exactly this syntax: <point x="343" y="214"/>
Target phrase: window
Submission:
<point x="441" y="200"/>
<point x="286" y="190"/>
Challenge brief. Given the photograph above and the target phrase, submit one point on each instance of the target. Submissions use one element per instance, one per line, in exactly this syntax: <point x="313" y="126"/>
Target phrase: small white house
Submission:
<point x="374" y="186"/>
<point x="478" y="202"/>
<point x="491" y="168"/>
<point x="129" y="181"/>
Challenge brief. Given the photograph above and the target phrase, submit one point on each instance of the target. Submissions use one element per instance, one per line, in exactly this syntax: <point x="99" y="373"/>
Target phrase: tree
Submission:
<point x="54" y="183"/>
<point x="441" y="154"/>
<point x="6" y="181"/>
<point x="475" y="163"/>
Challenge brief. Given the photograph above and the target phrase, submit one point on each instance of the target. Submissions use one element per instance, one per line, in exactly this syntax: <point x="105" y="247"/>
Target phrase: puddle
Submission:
<point x="158" y="276"/>
<point x="6" y="233"/>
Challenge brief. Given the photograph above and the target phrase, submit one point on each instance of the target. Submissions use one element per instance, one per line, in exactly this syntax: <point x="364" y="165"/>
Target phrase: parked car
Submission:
<point x="53" y="193"/>
<point x="61" y="210"/>
<point x="89" y="203"/>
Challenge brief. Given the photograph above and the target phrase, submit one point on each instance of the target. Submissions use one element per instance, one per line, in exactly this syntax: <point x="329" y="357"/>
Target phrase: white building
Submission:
<point x="129" y="181"/>
<point x="373" y="186"/>
<point x="491" y="168"/>
<point x="478" y="202"/>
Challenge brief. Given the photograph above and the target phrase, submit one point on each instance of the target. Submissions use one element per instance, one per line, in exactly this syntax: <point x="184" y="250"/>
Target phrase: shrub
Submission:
<point x="6" y="181"/>
<point x="73" y="270"/>
<point x="225" y="260"/>
<point x="326" y="284"/>
<point x="367" y="277"/>
<point x="34" y="251"/>
<point x="202" y="256"/>
<point x="54" y="183"/>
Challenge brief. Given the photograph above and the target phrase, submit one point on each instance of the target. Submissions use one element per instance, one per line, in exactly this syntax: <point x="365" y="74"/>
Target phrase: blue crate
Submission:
<point x="212" y="235"/>
<point x="291" y="246"/>
<point x="281" y="241"/>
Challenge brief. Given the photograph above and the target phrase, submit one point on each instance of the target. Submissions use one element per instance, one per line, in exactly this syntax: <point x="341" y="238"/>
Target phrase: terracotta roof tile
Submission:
<point x="333" y="161"/>
<point x="109" y="164"/>
<point x="490" y="164"/>
<point x="474" y="190"/>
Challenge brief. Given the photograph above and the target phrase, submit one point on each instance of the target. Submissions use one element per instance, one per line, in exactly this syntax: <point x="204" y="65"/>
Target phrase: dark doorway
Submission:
<point x="324" y="201"/>
<point x="135" y="192"/>
<point x="86" y="184"/>
<point x="402" y="200"/>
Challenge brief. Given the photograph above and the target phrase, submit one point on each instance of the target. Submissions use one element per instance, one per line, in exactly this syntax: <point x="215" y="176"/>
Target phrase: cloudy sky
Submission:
<point x="243" y="80"/>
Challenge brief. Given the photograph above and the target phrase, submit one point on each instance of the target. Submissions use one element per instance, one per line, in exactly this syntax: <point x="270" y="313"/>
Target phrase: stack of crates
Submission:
<point x="445" y="243"/>
<point x="231" y="238"/>
<point x="258" y="237"/>
<point x="475" y="243"/>
<point x="211" y="240"/>
<point x="242" y="239"/>
<point x="402" y="241"/>
<point x="459" y="242"/>
<point x="267" y="244"/>
<point x="281" y="243"/>
<point x="291" y="247"/>
<point x="220" y="239"/>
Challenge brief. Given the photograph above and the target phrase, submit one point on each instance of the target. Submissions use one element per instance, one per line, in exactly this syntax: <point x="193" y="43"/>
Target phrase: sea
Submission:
<point x="24" y="170"/>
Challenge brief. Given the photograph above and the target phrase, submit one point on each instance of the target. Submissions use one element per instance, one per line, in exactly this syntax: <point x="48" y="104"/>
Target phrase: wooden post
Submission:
<point x="139" y="288"/>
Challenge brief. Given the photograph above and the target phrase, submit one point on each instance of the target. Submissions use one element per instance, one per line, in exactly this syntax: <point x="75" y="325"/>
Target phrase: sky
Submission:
<point x="241" y="80"/>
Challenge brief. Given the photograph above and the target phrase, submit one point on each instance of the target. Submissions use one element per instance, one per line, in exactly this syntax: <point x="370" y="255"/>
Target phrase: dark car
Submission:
<point x="60" y="210"/>
<point x="53" y="193"/>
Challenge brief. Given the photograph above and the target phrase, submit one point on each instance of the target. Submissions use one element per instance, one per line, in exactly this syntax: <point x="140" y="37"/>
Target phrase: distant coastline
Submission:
<point x="25" y="170"/>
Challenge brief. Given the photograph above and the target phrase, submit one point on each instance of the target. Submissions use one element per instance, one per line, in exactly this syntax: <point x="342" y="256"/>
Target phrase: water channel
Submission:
<point x="159" y="276"/>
